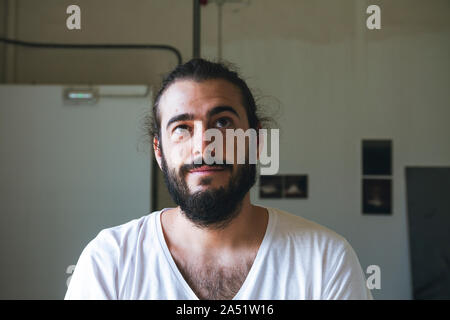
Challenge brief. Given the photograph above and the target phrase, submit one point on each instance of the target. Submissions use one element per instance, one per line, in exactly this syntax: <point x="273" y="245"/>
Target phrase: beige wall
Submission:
<point x="336" y="82"/>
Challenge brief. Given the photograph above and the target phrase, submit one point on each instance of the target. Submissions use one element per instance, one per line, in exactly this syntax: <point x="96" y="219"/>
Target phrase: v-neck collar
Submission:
<point x="262" y="250"/>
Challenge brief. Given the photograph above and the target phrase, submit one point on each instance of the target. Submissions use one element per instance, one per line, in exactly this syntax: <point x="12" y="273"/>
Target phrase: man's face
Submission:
<point x="207" y="194"/>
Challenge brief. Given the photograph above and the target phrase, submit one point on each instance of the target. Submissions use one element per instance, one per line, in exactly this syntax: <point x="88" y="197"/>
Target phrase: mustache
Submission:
<point x="187" y="167"/>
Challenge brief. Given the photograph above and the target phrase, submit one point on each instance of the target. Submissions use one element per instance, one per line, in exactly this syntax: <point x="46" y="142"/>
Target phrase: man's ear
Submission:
<point x="157" y="150"/>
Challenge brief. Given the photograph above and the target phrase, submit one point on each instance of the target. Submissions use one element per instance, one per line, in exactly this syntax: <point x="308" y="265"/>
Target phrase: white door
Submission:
<point x="66" y="172"/>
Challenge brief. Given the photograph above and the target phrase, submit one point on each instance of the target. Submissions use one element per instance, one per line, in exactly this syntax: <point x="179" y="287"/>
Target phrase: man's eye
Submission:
<point x="181" y="130"/>
<point x="223" y="123"/>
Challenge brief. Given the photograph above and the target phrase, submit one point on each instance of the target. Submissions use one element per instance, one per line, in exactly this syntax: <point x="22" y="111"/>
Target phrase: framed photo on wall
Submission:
<point x="270" y="187"/>
<point x="295" y="186"/>
<point x="283" y="186"/>
<point x="377" y="196"/>
<point x="377" y="176"/>
<point x="377" y="157"/>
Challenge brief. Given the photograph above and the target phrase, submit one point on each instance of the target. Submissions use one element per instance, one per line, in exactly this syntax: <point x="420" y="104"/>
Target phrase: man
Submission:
<point x="215" y="244"/>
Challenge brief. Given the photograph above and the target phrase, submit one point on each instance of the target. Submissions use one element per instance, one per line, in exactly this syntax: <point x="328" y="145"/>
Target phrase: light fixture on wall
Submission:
<point x="80" y="95"/>
<point x="91" y="95"/>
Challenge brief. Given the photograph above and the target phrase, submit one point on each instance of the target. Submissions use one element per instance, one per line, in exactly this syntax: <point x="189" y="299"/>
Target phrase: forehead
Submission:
<point x="189" y="96"/>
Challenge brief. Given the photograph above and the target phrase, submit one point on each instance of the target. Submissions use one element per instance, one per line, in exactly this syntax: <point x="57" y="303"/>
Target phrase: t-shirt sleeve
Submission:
<point x="345" y="280"/>
<point x="95" y="274"/>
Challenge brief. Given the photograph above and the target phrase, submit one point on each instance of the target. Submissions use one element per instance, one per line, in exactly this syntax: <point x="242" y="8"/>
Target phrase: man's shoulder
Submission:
<point x="305" y="231"/>
<point x="125" y="233"/>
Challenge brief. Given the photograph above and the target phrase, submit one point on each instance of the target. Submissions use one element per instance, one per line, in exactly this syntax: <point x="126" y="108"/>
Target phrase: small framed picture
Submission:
<point x="270" y="187"/>
<point x="377" y="196"/>
<point x="295" y="186"/>
<point x="377" y="157"/>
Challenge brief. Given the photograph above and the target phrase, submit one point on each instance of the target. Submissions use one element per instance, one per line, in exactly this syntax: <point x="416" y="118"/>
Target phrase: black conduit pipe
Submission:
<point x="95" y="46"/>
<point x="196" y="30"/>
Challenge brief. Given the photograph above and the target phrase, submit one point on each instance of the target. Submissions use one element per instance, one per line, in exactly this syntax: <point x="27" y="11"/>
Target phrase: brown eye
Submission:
<point x="223" y="123"/>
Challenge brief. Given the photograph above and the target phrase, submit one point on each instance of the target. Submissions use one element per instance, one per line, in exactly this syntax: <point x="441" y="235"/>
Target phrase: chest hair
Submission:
<point x="215" y="282"/>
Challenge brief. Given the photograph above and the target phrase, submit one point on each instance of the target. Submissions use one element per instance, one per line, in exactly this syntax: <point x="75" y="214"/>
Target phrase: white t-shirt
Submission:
<point x="297" y="259"/>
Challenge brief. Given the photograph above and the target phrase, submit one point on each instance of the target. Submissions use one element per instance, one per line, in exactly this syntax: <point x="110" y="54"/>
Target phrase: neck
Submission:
<point x="233" y="236"/>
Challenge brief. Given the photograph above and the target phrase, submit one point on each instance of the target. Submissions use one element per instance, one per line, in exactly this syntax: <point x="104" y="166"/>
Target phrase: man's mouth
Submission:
<point x="207" y="170"/>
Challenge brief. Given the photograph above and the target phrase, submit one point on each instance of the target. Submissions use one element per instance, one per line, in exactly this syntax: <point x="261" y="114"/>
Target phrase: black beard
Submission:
<point x="214" y="208"/>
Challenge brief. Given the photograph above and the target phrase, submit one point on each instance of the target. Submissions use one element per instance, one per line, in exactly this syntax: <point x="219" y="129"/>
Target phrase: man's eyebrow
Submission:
<point x="220" y="109"/>
<point x="180" y="117"/>
<point x="212" y="112"/>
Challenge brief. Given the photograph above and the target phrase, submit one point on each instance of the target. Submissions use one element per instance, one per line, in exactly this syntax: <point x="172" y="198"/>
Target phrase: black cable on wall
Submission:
<point x="95" y="46"/>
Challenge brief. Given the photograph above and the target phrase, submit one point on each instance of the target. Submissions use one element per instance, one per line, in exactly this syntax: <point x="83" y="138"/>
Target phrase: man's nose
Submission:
<point x="199" y="142"/>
